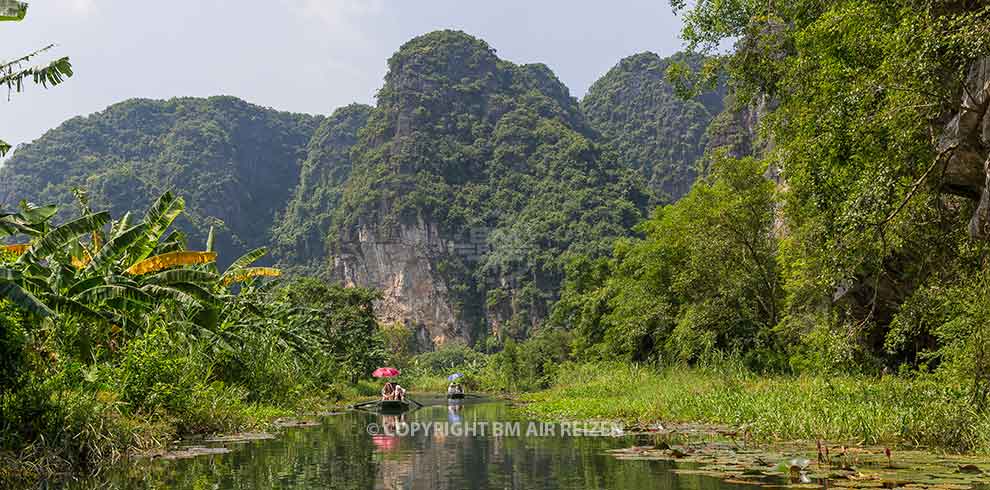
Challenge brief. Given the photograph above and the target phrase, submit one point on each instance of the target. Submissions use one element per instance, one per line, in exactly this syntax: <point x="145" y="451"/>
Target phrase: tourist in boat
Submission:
<point x="454" y="388"/>
<point x="400" y="392"/>
<point x="389" y="391"/>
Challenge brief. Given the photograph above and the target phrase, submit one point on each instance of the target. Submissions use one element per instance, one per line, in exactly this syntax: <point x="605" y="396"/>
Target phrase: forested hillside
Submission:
<point x="782" y="233"/>
<point x="473" y="179"/>
<point x="649" y="126"/>
<point x="235" y="163"/>
<point x="300" y="236"/>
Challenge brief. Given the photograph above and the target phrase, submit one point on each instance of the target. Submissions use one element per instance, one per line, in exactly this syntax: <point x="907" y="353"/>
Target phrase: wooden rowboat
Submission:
<point x="455" y="396"/>
<point x="393" y="406"/>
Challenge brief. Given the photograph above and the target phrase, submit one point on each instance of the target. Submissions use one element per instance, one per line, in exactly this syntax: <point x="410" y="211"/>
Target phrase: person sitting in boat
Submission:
<point x="455" y="388"/>
<point x="400" y="392"/>
<point x="389" y="391"/>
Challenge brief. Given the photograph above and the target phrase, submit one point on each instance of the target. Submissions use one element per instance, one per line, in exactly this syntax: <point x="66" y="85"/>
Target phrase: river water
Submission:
<point x="441" y="446"/>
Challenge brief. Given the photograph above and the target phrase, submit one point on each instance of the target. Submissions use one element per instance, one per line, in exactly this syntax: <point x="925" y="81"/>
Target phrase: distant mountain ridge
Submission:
<point x="235" y="163"/>
<point x="459" y="195"/>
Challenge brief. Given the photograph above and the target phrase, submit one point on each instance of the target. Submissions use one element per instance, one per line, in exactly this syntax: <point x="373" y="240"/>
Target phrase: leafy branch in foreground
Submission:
<point x="14" y="73"/>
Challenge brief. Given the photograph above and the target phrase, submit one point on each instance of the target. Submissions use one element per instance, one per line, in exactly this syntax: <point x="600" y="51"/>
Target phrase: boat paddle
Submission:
<point x="365" y="404"/>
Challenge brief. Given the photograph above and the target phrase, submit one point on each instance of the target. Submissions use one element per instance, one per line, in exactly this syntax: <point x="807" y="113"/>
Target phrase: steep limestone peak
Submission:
<point x="650" y="128"/>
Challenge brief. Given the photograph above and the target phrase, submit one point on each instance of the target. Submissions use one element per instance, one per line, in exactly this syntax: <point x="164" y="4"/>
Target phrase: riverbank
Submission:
<point x="894" y="411"/>
<point x="95" y="432"/>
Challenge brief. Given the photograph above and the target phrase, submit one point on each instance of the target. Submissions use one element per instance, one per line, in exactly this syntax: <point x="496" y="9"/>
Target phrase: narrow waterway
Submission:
<point x="457" y="445"/>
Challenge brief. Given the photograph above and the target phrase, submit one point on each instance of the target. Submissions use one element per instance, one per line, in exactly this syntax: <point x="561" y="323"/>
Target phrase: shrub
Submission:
<point x="153" y="373"/>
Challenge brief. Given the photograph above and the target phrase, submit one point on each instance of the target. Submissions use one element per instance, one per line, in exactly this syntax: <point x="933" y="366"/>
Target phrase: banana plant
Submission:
<point x="120" y="272"/>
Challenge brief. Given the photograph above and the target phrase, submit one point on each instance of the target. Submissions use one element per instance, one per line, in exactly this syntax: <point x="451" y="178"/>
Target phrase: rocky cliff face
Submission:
<point x="964" y="147"/>
<point x="460" y="195"/>
<point x="404" y="265"/>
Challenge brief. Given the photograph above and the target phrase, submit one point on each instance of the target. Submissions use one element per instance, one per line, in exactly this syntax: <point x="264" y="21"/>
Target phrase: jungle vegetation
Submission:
<point x="814" y="249"/>
<point x="119" y="336"/>
<point x="851" y="255"/>
<point x="649" y="125"/>
<point x="832" y="262"/>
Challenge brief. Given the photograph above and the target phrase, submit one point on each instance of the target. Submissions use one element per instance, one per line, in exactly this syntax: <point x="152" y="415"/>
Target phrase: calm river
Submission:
<point x="344" y="453"/>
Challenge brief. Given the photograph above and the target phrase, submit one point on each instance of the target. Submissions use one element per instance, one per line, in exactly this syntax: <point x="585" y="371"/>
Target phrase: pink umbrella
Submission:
<point x="385" y="372"/>
<point x="385" y="443"/>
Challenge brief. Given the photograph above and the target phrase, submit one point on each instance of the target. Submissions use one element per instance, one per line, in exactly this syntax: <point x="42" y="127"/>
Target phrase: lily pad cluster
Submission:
<point x="801" y="465"/>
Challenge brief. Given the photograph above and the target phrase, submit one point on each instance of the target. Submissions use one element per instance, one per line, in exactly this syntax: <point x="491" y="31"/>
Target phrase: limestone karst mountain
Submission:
<point x="460" y="194"/>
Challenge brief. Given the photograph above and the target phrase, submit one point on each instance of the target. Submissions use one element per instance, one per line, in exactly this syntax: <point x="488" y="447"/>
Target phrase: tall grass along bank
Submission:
<point x="920" y="411"/>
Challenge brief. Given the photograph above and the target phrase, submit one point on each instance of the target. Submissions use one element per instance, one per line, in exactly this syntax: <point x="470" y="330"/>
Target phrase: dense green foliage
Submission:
<point x="492" y="153"/>
<point x="702" y="278"/>
<point x="470" y="142"/>
<point x="235" y="162"/>
<point x="859" y="261"/>
<point x="301" y="235"/>
<point x="648" y="125"/>
<point x="116" y="337"/>
<point x="833" y="245"/>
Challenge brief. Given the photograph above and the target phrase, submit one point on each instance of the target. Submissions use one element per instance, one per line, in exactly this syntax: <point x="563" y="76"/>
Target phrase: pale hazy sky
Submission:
<point x="299" y="55"/>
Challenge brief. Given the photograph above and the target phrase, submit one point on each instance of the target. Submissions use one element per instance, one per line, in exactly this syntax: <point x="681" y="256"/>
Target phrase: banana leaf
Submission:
<point x="117" y="247"/>
<point x="17" y="248"/>
<point x="198" y="292"/>
<point x="113" y="291"/>
<point x="23" y="299"/>
<point x="158" y="218"/>
<point x="170" y="260"/>
<point x="248" y="273"/>
<point x="84" y="285"/>
<point x="120" y="225"/>
<point x="180" y="296"/>
<point x="68" y="306"/>
<point x="244" y="261"/>
<point x="183" y="275"/>
<point x="174" y="242"/>
<point x="62" y="235"/>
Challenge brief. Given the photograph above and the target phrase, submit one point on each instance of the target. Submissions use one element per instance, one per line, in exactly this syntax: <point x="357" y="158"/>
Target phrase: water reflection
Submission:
<point x="341" y="454"/>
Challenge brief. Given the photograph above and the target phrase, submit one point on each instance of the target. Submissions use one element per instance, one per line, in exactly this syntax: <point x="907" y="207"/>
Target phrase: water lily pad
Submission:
<point x="745" y="482"/>
<point x="686" y="471"/>
<point x="192" y="452"/>
<point x="857" y="484"/>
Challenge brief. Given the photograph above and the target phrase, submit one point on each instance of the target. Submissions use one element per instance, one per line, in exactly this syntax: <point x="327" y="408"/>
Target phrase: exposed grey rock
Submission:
<point x="965" y="143"/>
<point x="402" y="264"/>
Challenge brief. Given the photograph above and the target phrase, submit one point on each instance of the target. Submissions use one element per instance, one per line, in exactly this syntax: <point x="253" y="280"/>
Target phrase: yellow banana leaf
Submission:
<point x="80" y="263"/>
<point x="249" y="272"/>
<point x="17" y="248"/>
<point x="171" y="259"/>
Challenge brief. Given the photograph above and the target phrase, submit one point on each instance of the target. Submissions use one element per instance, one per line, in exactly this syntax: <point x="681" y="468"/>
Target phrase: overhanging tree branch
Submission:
<point x="53" y="73"/>
<point x="13" y="74"/>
